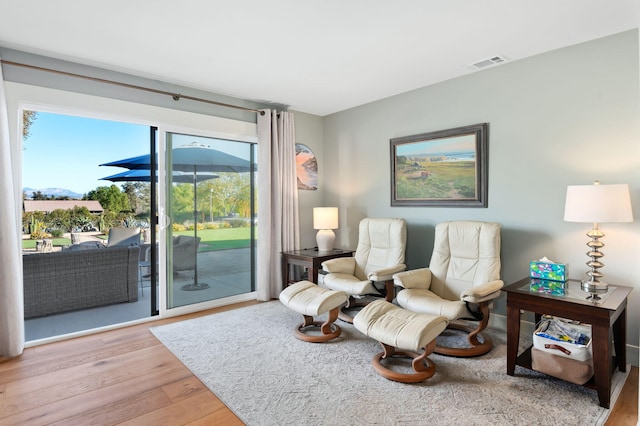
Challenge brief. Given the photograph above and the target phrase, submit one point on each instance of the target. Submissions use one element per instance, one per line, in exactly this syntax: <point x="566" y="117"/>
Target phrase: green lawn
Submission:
<point x="31" y="244"/>
<point x="211" y="239"/>
<point x="447" y="180"/>
<point x="221" y="239"/>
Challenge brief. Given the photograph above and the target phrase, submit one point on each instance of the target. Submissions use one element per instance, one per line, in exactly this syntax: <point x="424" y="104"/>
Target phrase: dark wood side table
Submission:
<point x="608" y="319"/>
<point x="310" y="259"/>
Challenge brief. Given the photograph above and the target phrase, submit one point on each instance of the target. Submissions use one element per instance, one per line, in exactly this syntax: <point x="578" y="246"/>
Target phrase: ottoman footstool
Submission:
<point x="401" y="333"/>
<point x="311" y="300"/>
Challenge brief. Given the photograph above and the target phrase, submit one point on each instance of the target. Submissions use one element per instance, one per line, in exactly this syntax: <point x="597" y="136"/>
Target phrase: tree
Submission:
<point x="81" y="218"/>
<point x="139" y="195"/>
<point x="111" y="198"/>
<point x="60" y="219"/>
<point x="38" y="195"/>
<point x="182" y="202"/>
<point x="231" y="193"/>
<point x="28" y="117"/>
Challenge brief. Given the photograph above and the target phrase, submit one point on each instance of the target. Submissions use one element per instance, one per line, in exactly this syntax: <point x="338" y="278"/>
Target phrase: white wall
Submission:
<point x="564" y="117"/>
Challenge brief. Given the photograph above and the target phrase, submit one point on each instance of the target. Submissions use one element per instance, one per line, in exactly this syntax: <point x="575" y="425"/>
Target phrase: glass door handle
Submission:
<point x="163" y="220"/>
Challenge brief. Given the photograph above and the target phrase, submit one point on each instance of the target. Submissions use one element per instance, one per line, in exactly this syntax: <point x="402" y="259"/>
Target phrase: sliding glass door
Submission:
<point x="192" y="199"/>
<point x="211" y="227"/>
<point x="76" y="276"/>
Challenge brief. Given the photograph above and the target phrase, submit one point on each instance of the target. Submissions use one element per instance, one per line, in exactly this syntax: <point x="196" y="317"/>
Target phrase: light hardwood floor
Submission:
<point x="127" y="376"/>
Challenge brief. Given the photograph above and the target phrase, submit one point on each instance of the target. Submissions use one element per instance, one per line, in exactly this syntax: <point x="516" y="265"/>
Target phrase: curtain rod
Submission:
<point x="174" y="96"/>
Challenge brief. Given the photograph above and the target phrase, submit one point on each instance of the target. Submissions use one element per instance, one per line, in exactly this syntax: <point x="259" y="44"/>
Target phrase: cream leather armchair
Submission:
<point x="379" y="254"/>
<point x="461" y="282"/>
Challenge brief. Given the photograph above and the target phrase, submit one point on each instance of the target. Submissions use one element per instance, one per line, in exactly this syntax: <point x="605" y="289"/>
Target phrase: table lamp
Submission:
<point x="597" y="204"/>
<point x="325" y="219"/>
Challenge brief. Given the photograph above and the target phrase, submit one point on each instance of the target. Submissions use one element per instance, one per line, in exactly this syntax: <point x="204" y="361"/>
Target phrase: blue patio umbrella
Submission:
<point x="141" y="162"/>
<point x="195" y="158"/>
<point x="191" y="158"/>
<point x="141" y="175"/>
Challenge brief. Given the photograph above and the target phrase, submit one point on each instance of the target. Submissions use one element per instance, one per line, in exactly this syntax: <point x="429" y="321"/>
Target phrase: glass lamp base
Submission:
<point x="594" y="288"/>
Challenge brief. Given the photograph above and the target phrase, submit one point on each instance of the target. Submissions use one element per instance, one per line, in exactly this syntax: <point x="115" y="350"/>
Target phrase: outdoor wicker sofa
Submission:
<point x="79" y="279"/>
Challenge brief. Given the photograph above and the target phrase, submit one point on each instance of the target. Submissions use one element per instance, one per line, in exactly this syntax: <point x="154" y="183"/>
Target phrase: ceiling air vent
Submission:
<point x="489" y="62"/>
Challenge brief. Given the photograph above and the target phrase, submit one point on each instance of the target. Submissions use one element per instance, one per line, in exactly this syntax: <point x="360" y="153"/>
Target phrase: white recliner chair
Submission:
<point x="462" y="280"/>
<point x="379" y="254"/>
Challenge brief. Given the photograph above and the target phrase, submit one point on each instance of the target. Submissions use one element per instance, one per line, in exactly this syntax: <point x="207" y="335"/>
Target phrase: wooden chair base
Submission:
<point x="343" y="313"/>
<point x="328" y="328"/>
<point x="355" y="304"/>
<point x="424" y="368"/>
<point x="477" y="347"/>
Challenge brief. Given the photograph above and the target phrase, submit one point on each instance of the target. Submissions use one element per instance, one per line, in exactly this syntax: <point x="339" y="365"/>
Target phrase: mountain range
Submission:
<point x="58" y="192"/>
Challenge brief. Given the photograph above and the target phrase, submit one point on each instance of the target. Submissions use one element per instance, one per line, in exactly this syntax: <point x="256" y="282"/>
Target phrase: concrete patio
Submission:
<point x="226" y="271"/>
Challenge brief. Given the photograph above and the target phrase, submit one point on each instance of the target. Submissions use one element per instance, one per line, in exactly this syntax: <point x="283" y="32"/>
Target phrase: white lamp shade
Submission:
<point x="598" y="203"/>
<point x="325" y="218"/>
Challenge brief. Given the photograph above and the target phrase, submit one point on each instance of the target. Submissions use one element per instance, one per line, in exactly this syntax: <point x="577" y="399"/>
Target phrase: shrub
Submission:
<point x="176" y="227"/>
<point x="37" y="229"/>
<point x="237" y="223"/>
<point x="57" y="232"/>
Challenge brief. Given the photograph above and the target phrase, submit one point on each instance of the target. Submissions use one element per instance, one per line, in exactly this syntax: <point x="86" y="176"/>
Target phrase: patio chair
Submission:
<point x="184" y="252"/>
<point x="123" y="237"/>
<point x="183" y="259"/>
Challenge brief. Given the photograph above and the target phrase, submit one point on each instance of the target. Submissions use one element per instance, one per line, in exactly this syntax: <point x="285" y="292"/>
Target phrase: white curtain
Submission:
<point x="278" y="219"/>
<point x="11" y="297"/>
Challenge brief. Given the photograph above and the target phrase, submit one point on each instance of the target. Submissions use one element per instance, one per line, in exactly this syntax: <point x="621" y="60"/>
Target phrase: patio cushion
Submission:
<point x="86" y="245"/>
<point x="123" y="237"/>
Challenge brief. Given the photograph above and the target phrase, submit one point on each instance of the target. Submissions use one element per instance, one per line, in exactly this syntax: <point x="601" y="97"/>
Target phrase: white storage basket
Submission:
<point x="564" y="349"/>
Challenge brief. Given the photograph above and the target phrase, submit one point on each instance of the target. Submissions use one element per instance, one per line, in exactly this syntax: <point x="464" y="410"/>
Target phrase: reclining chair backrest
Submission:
<point x="465" y="253"/>
<point x="381" y="244"/>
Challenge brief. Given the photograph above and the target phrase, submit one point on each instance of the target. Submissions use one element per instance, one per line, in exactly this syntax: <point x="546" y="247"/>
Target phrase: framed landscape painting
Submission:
<point x="447" y="168"/>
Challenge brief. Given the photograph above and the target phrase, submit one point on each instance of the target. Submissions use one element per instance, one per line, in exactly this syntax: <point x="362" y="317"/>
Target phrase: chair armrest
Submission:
<point x="482" y="292"/>
<point x="416" y="278"/>
<point x="344" y="265"/>
<point x="386" y="273"/>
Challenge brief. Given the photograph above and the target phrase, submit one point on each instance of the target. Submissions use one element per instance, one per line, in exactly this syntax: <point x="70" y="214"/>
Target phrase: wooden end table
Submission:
<point x="608" y="319"/>
<point x="308" y="258"/>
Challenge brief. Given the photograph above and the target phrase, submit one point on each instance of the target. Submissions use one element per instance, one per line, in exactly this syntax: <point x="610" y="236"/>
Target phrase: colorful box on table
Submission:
<point x="549" y="271"/>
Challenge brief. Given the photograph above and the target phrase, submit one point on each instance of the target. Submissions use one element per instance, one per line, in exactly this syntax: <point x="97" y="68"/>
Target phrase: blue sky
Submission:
<point x="462" y="143"/>
<point x="65" y="151"/>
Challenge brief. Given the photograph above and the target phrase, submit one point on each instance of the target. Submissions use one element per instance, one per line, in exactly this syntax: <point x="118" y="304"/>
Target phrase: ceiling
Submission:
<point x="318" y="57"/>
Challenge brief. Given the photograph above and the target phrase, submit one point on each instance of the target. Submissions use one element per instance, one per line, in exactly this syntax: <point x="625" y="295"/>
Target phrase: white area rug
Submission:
<point x="251" y="360"/>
